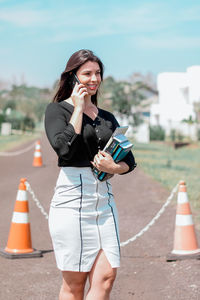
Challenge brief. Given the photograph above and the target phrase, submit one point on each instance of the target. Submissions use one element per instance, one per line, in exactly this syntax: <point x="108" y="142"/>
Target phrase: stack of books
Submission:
<point x="118" y="147"/>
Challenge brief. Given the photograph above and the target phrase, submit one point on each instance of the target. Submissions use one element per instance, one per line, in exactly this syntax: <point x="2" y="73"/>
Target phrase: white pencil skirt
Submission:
<point x="82" y="220"/>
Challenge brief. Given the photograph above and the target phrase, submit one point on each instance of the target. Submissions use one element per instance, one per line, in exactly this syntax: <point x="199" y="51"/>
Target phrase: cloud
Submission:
<point x="139" y="19"/>
<point x="24" y="17"/>
<point x="190" y="14"/>
<point x="146" y="18"/>
<point x="115" y="18"/>
<point x="170" y="43"/>
<point x="70" y="22"/>
<point x="118" y="20"/>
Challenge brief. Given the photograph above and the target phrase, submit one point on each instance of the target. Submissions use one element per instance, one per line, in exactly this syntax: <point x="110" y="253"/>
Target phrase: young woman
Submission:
<point x="83" y="217"/>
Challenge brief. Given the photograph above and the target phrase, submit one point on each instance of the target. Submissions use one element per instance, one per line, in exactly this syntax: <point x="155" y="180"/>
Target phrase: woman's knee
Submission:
<point x="108" y="280"/>
<point x="73" y="288"/>
<point x="73" y="283"/>
<point x="104" y="282"/>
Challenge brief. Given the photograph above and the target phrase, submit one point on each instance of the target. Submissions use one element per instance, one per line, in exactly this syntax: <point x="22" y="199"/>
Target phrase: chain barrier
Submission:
<point x="157" y="216"/>
<point x="132" y="239"/>
<point x="17" y="152"/>
<point x="37" y="202"/>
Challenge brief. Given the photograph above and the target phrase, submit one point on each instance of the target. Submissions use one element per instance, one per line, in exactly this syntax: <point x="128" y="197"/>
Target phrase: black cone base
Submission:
<point x="35" y="253"/>
<point x="175" y="257"/>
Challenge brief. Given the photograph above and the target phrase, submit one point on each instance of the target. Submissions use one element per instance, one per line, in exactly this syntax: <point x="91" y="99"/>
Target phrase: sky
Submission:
<point x="38" y="37"/>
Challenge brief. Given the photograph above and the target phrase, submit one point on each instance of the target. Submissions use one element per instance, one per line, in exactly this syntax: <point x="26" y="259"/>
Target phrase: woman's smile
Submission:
<point x="92" y="86"/>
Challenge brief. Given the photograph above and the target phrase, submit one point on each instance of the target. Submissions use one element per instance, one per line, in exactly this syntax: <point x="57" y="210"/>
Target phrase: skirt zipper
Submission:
<point x="97" y="217"/>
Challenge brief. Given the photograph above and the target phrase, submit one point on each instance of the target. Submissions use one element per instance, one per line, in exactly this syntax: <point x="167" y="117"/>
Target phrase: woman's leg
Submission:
<point x="101" y="278"/>
<point x="73" y="285"/>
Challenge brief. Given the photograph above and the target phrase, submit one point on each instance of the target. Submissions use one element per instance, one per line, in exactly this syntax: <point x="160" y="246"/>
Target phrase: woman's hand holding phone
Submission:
<point x="78" y="94"/>
<point x="77" y="97"/>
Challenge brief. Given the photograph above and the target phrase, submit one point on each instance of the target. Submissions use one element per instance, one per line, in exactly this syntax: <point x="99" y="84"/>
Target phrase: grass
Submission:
<point x="168" y="166"/>
<point x="14" y="140"/>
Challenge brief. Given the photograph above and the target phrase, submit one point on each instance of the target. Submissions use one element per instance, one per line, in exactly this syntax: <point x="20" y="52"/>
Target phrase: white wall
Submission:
<point x="177" y="93"/>
<point x="193" y="74"/>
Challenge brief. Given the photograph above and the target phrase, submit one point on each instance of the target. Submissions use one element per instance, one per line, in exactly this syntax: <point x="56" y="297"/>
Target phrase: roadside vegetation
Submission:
<point x="168" y="166"/>
<point x="23" y="107"/>
<point x="12" y="141"/>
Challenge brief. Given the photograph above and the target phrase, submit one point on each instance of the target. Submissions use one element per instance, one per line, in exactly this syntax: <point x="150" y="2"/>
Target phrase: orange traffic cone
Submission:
<point x="37" y="160"/>
<point x="185" y="242"/>
<point x="19" y="239"/>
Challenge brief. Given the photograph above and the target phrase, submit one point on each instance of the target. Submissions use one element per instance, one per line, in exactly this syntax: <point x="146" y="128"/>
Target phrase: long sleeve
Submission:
<point x="60" y="132"/>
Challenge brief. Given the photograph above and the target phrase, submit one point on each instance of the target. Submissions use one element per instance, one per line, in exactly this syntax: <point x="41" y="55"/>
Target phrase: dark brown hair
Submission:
<point x="74" y="63"/>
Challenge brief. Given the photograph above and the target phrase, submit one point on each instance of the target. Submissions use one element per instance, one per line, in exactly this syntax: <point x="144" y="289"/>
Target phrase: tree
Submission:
<point x="189" y="122"/>
<point x="10" y="104"/>
<point x="120" y="99"/>
<point x="105" y="93"/>
<point x="126" y="100"/>
<point x="147" y="79"/>
<point x="30" y="102"/>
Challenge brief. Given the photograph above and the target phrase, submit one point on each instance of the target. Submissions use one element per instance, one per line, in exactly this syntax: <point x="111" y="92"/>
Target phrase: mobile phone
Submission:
<point x="74" y="80"/>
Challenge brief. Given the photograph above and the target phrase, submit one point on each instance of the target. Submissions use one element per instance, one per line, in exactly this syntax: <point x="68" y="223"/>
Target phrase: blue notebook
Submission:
<point x="118" y="147"/>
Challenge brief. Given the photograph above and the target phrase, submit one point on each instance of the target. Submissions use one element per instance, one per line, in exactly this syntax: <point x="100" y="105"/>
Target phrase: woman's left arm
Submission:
<point x="104" y="162"/>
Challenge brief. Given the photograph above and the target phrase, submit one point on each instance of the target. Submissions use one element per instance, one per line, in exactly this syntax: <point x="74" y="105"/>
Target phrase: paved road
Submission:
<point x="144" y="272"/>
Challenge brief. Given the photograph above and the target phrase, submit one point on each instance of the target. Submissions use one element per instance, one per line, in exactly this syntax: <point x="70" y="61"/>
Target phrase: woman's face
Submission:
<point x="89" y="74"/>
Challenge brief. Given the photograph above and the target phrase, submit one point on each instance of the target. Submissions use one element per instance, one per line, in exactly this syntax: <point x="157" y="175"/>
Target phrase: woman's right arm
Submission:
<point x="63" y="130"/>
<point x="60" y="132"/>
<point x="77" y="96"/>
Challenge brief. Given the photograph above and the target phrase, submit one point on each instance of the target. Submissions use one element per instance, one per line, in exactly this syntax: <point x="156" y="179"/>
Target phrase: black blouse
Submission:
<point x="77" y="150"/>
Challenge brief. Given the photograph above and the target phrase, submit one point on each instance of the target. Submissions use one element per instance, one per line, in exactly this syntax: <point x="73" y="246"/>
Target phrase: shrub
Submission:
<point x="20" y="122"/>
<point x="173" y="135"/>
<point x="157" y="133"/>
<point x="28" y="123"/>
<point x="180" y="136"/>
<point x="198" y="134"/>
<point x="2" y="119"/>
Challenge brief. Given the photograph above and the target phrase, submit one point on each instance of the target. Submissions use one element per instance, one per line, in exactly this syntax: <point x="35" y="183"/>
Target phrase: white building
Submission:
<point x="177" y="94"/>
